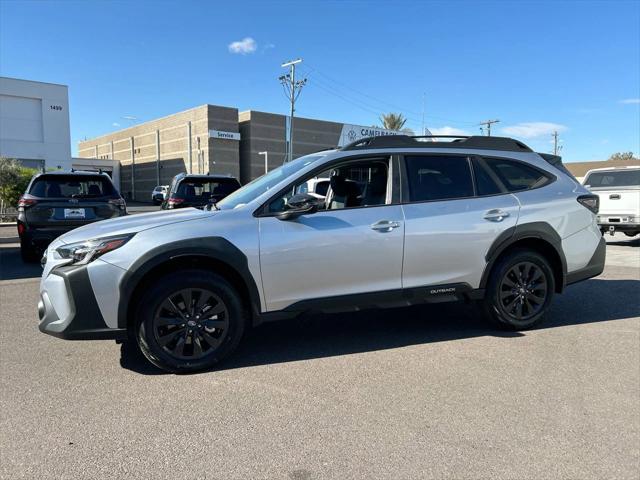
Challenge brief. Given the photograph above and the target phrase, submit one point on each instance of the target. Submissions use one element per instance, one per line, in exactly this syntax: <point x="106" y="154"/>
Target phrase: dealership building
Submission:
<point x="34" y="128"/>
<point x="212" y="139"/>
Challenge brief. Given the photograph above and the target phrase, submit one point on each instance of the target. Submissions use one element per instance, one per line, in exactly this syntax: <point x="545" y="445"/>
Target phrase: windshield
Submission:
<point x="71" y="186"/>
<point x="261" y="184"/>
<point x="613" y="178"/>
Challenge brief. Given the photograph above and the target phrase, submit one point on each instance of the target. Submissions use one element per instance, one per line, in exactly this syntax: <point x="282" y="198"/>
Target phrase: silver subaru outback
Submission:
<point x="405" y="220"/>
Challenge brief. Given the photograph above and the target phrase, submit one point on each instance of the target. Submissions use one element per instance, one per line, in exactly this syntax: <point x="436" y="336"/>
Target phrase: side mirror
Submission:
<point x="300" y="204"/>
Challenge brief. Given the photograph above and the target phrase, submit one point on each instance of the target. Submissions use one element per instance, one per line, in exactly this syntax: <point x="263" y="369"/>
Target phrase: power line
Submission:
<point x="415" y="116"/>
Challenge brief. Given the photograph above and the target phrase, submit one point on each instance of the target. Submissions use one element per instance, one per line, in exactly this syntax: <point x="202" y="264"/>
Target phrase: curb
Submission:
<point x="9" y="240"/>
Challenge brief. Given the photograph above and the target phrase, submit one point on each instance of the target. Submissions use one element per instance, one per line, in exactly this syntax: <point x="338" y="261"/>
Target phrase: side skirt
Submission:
<point x="455" y="292"/>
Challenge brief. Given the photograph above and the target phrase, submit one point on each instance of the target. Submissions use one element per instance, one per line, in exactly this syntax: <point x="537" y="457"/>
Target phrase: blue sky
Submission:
<point x="536" y="66"/>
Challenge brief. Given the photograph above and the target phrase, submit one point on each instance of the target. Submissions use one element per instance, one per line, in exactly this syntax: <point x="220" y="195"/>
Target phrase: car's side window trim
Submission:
<point x="261" y="211"/>
<point x="405" y="193"/>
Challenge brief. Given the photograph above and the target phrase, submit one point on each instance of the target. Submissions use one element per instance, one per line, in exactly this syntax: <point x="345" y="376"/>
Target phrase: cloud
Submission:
<point x="533" y="129"/>
<point x="630" y="101"/>
<point x="115" y="124"/>
<point x="243" y="47"/>
<point x="447" y="131"/>
<point x="268" y="46"/>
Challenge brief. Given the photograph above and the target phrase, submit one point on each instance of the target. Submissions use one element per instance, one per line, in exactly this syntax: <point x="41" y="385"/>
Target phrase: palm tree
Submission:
<point x="393" y="121"/>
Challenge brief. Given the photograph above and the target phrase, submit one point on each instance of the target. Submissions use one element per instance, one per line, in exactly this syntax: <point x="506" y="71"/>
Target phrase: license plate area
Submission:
<point x="74" y="213"/>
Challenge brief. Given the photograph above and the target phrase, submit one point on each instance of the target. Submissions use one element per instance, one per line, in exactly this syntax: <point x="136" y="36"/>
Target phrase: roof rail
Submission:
<point x="406" y="141"/>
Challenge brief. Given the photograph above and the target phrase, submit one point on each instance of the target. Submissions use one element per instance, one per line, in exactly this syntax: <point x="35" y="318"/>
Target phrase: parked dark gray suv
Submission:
<point x="57" y="202"/>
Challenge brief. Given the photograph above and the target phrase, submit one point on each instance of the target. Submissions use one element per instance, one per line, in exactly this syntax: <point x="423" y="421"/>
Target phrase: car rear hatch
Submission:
<point x="70" y="200"/>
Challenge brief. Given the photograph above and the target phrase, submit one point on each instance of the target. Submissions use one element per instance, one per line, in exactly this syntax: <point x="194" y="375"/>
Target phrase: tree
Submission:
<point x="393" y="121"/>
<point x="14" y="179"/>
<point x="624" y="156"/>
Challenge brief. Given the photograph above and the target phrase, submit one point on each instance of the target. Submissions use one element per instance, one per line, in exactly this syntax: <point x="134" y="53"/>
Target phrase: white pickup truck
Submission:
<point x="619" y="192"/>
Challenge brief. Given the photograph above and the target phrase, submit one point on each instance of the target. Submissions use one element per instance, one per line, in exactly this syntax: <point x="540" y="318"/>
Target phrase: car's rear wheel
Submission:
<point x="519" y="291"/>
<point x="189" y="320"/>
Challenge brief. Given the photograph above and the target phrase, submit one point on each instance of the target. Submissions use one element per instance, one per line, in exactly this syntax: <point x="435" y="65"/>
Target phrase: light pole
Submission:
<point x="266" y="160"/>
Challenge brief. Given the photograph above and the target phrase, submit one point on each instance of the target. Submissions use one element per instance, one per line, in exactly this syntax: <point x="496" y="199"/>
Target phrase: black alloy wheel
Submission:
<point x="189" y="320"/>
<point x="519" y="290"/>
<point x="191" y="323"/>
<point x="523" y="291"/>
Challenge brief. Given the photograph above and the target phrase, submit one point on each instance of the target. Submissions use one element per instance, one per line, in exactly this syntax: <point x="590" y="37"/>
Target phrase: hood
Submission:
<point x="133" y="224"/>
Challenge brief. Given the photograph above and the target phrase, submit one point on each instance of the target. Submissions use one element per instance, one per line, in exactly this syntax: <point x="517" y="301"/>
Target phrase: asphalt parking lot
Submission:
<point x="422" y="392"/>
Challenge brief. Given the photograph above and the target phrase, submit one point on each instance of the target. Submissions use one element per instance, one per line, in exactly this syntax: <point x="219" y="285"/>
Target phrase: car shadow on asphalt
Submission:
<point x="634" y="242"/>
<point x="321" y="336"/>
<point x="13" y="268"/>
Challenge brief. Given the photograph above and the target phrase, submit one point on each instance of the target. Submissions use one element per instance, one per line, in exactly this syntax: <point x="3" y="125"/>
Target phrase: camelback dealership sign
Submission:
<point x="351" y="133"/>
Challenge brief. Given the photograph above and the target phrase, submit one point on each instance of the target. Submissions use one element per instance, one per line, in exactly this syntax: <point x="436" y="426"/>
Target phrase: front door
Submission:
<point x="353" y="245"/>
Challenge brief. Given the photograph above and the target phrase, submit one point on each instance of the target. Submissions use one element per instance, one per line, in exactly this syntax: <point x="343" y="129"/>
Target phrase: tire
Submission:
<point x="515" y="305"/>
<point x="178" y="338"/>
<point x="28" y="253"/>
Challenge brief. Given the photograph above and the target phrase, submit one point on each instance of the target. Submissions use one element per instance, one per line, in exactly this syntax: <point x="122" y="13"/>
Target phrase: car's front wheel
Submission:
<point x="189" y="320"/>
<point x="519" y="290"/>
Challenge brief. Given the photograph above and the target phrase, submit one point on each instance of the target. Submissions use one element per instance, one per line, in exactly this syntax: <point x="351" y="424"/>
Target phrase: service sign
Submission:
<point x="224" y="135"/>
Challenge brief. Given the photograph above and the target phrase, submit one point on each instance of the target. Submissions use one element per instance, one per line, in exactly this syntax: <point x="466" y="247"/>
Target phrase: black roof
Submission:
<point x="430" y="141"/>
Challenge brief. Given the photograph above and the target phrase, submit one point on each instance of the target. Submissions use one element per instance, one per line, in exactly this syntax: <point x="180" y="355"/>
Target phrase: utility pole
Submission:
<point x="488" y="123"/>
<point x="556" y="146"/>
<point x="293" y="89"/>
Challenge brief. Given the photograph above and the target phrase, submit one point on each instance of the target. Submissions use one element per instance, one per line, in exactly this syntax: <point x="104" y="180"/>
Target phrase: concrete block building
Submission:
<point x="267" y="132"/>
<point x="212" y="139"/>
<point x="199" y="140"/>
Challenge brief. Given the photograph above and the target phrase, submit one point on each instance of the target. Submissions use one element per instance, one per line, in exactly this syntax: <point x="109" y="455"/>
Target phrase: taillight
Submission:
<point x="175" y="201"/>
<point x="118" y="202"/>
<point x="21" y="228"/>
<point x="592" y="202"/>
<point x="25" y="202"/>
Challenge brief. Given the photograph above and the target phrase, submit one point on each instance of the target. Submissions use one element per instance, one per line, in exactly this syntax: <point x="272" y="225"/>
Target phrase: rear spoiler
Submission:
<point x="556" y="161"/>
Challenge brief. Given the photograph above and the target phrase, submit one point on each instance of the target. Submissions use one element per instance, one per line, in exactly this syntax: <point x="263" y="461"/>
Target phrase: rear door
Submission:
<point x="454" y="210"/>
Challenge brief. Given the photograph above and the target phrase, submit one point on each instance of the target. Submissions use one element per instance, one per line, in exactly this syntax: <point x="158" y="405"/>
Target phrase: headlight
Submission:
<point x="84" y="252"/>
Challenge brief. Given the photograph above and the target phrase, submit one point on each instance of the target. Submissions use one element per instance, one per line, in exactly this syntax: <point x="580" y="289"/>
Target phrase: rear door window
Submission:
<point x="487" y="183"/>
<point x="440" y="177"/>
<point x="620" y="178"/>
<point x="71" y="186"/>
<point x="516" y="176"/>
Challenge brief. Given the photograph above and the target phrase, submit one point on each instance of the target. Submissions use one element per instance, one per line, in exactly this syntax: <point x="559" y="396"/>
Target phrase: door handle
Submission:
<point x="496" y="215"/>
<point x="385" y="226"/>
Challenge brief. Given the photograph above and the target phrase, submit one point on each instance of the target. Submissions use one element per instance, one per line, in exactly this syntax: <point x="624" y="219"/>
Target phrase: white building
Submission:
<point x="34" y="123"/>
<point x="34" y="128"/>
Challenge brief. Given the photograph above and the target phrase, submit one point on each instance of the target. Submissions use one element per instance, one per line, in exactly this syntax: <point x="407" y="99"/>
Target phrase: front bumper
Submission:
<point x="68" y="308"/>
